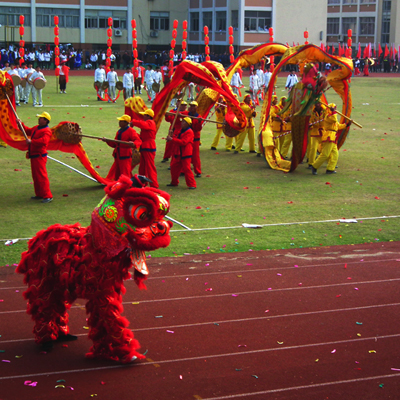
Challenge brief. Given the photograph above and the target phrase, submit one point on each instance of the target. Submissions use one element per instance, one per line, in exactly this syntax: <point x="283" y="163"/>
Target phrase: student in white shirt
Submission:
<point x="100" y="76"/>
<point x="260" y="74"/>
<point x="37" y="93"/>
<point x="291" y="81"/>
<point x="112" y="79"/>
<point x="93" y="59"/>
<point x="47" y="60"/>
<point x="28" y="87"/>
<point x="267" y="77"/>
<point x="149" y="80"/>
<point x="127" y="82"/>
<point x="14" y="71"/>
<point x="236" y="82"/>
<point x="254" y="85"/>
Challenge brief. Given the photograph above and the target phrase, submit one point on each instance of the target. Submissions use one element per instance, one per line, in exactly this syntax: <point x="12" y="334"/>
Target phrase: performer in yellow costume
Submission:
<point x="329" y="150"/>
<point x="276" y="121"/>
<point x="287" y="127"/>
<point x="220" y="111"/>
<point x="248" y="109"/>
<point x="315" y="131"/>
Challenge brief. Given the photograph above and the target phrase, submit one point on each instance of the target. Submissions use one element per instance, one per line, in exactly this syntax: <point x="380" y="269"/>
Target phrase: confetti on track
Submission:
<point x="255" y="337"/>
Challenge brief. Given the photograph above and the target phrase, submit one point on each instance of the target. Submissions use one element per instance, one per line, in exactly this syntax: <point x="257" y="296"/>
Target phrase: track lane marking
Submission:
<point x="241" y="271"/>
<point x="315" y="385"/>
<point x="237" y="320"/>
<point x="211" y="296"/>
<point x="214" y="356"/>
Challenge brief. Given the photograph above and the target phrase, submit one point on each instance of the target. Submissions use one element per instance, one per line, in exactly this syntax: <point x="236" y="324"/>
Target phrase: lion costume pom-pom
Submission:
<point x="66" y="262"/>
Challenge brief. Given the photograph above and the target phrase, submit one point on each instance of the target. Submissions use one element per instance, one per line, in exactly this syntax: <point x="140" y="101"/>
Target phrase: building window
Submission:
<point x="350" y="1"/>
<point x="367" y="26"/>
<point x="367" y="1"/>
<point x="235" y="19"/>
<point x="207" y="20"/>
<point x="159" y="21"/>
<point x="221" y="21"/>
<point x="332" y="2"/>
<point x="257" y="20"/>
<point x="67" y="17"/>
<point x="349" y="23"/>
<point x="333" y="26"/>
<point x="194" y="21"/>
<point x="99" y="19"/>
<point x="9" y="16"/>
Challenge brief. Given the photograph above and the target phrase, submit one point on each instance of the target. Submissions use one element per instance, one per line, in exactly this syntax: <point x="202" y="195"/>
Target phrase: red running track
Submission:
<point x="318" y="323"/>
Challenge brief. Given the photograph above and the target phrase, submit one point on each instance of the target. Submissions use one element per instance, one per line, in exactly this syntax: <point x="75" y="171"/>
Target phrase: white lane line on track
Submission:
<point x="241" y="293"/>
<point x="197" y="324"/>
<point x="315" y="385"/>
<point x="241" y="271"/>
<point x="299" y="267"/>
<point x="208" y="357"/>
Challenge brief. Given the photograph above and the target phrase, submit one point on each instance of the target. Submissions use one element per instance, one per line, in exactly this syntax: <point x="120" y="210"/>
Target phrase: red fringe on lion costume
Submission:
<point x="66" y="262"/>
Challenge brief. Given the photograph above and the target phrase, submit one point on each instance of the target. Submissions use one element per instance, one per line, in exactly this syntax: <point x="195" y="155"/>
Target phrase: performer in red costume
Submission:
<point x="170" y="117"/>
<point x="182" y="154"/>
<point x="138" y="74"/>
<point x="39" y="137"/>
<point x="197" y="126"/>
<point x="148" y="131"/>
<point x="123" y="152"/>
<point x="66" y="262"/>
<point x="64" y="76"/>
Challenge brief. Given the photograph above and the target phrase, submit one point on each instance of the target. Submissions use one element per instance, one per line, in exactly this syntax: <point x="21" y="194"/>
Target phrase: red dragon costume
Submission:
<point x="66" y="262"/>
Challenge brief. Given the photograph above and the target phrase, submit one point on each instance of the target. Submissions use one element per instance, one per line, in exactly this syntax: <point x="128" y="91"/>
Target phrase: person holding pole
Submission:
<point x="37" y="139"/>
<point x="148" y="131"/>
<point x="123" y="151"/>
<point x="182" y="154"/>
<point x="329" y="150"/>
<point x="174" y="117"/>
<point x="196" y="126"/>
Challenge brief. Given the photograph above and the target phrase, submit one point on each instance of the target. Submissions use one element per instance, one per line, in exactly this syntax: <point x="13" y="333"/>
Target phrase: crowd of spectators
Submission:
<point x="43" y="56"/>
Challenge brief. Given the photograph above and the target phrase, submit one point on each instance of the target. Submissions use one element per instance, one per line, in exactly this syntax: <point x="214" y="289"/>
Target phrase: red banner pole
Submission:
<point x="21" y="41"/>
<point x="56" y="51"/>
<point x="184" y="37"/>
<point x="206" y="41"/>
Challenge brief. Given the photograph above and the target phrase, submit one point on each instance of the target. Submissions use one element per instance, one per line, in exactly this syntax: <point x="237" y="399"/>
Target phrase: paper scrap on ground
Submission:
<point x="251" y="226"/>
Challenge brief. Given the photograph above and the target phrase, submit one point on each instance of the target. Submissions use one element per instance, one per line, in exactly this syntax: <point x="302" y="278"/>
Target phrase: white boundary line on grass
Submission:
<point x="256" y="226"/>
<point x="77" y="106"/>
<point x="251" y="226"/>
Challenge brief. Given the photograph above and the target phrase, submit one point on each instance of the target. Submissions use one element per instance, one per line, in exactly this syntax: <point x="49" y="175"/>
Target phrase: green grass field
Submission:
<point x="234" y="189"/>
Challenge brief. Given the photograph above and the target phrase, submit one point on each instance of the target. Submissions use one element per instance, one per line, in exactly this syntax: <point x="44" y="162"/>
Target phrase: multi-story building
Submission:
<point x="83" y="23"/>
<point x="251" y="20"/>
<point x="371" y="21"/>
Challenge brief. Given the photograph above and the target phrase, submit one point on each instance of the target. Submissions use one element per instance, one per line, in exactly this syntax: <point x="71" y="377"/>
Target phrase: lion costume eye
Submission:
<point x="139" y="212"/>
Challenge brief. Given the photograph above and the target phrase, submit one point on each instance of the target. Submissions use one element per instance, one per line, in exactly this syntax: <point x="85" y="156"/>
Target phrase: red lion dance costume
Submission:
<point x="66" y="262"/>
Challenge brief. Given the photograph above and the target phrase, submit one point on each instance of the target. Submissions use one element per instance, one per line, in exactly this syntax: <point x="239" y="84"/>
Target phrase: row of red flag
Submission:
<point x="368" y="52"/>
